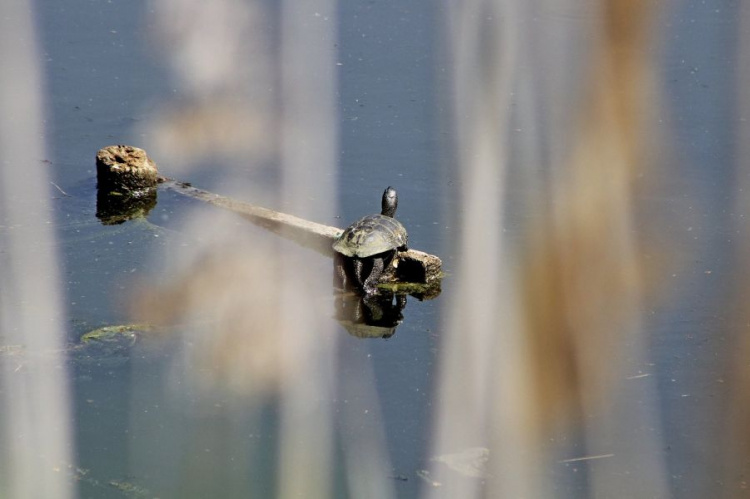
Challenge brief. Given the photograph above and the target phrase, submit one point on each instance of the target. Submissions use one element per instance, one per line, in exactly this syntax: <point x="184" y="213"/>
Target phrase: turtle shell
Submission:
<point x="371" y="235"/>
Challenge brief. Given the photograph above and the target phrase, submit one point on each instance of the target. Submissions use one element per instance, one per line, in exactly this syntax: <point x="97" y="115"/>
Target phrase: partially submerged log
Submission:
<point x="125" y="169"/>
<point x="309" y="234"/>
<point x="412" y="265"/>
<point x="130" y="166"/>
<point x="127" y="180"/>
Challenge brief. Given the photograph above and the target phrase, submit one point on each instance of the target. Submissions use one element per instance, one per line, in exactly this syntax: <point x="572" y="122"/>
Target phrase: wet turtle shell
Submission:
<point x="371" y="235"/>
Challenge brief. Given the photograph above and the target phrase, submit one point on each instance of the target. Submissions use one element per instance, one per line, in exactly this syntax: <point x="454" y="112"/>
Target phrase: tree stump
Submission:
<point x="125" y="169"/>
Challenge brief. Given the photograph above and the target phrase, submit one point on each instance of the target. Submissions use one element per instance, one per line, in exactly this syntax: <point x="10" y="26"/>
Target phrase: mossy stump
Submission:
<point x="125" y="169"/>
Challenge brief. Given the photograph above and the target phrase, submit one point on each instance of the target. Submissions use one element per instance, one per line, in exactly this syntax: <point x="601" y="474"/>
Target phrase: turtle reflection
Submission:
<point x="370" y="316"/>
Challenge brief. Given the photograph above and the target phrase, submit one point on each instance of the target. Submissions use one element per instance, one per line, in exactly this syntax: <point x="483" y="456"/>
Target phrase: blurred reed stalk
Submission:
<point x="553" y="344"/>
<point x="309" y="155"/>
<point x="483" y="37"/>
<point x="35" y="423"/>
<point x="266" y="333"/>
<point x="736" y="440"/>
<point x="582" y="276"/>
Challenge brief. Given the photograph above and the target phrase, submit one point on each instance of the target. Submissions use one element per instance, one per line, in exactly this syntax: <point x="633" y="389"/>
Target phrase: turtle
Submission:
<point x="365" y="248"/>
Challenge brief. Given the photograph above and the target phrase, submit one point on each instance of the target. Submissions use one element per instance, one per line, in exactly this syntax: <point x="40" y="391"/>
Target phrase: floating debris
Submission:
<point x="586" y="458"/>
<point x="471" y="462"/>
<point x="425" y="475"/>
<point x="130" y="489"/>
<point x="116" y="333"/>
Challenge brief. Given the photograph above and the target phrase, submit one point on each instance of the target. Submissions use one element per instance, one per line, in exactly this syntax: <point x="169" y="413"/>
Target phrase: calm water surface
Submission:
<point x="135" y="424"/>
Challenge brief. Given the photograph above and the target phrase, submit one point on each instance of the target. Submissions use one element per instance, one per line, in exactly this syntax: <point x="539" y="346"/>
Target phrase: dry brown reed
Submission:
<point x="736" y="412"/>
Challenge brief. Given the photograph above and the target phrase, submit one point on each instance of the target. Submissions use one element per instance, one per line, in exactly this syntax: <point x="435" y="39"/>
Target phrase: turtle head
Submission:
<point x="390" y="202"/>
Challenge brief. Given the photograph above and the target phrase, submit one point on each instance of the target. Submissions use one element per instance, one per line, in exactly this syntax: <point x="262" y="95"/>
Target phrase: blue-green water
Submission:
<point x="135" y="424"/>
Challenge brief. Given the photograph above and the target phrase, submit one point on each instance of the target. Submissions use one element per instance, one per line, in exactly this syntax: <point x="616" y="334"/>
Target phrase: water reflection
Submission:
<point x="374" y="314"/>
<point x="114" y="208"/>
<point x="370" y="316"/>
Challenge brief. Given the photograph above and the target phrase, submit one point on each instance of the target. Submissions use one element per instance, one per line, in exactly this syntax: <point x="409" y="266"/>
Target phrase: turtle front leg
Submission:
<point x="339" y="271"/>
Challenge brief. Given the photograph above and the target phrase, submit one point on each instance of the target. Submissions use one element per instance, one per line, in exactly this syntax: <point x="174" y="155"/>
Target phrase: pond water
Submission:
<point x="141" y="432"/>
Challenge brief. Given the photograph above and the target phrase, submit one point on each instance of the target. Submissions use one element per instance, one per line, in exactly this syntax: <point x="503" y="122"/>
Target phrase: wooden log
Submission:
<point x="129" y="170"/>
<point x="411" y="265"/>
<point x="309" y="234"/>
